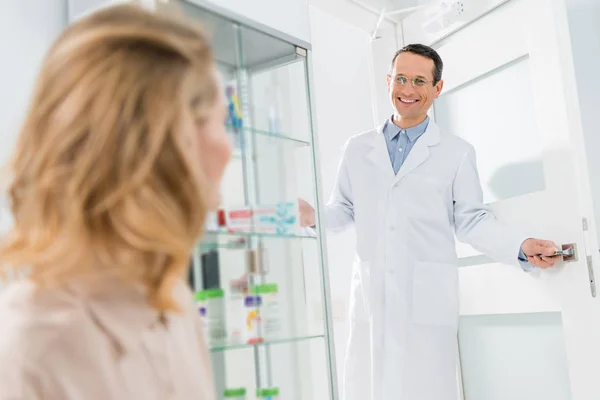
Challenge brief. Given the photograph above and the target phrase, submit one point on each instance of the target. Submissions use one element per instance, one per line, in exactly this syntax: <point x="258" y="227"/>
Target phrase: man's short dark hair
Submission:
<point x="425" y="51"/>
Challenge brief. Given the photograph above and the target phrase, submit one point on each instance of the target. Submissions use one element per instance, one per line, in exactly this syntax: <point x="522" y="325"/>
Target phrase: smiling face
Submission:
<point x="411" y="87"/>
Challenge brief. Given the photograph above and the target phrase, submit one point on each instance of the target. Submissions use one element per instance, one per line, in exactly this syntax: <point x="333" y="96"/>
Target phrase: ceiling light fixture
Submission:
<point x="444" y="14"/>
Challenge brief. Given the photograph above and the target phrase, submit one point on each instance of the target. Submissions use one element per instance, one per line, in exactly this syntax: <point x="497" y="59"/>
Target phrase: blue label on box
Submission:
<point x="253" y="301"/>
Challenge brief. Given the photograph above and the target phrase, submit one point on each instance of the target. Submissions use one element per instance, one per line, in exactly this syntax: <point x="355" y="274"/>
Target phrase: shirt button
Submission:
<point x="400" y="150"/>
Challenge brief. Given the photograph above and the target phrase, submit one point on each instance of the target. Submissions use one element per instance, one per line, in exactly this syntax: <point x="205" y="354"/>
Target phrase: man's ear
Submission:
<point x="438" y="88"/>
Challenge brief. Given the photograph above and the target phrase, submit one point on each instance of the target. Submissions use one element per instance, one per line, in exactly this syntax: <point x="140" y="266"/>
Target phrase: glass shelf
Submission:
<point x="223" y="233"/>
<point x="216" y="246"/>
<point x="273" y="135"/>
<point x="217" y="348"/>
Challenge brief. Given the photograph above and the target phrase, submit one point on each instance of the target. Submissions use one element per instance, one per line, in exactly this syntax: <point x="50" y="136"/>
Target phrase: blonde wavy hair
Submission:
<point x="102" y="178"/>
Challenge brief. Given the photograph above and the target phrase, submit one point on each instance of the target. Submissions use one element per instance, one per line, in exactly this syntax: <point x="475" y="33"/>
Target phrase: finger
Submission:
<point x="548" y="243"/>
<point x="538" y="262"/>
<point x="544" y="247"/>
<point x="549" y="250"/>
<point x="549" y="260"/>
<point x="533" y="260"/>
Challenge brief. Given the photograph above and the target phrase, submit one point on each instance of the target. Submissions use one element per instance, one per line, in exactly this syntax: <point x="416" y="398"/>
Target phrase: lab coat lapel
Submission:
<point x="378" y="154"/>
<point x="420" y="152"/>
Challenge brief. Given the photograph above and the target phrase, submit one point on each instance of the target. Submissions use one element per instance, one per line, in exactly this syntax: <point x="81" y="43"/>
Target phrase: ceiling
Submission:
<point x="391" y="7"/>
<point x="366" y="14"/>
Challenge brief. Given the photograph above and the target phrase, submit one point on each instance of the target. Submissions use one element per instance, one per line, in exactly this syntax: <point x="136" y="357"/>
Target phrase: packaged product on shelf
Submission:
<point x="212" y="311"/>
<point x="252" y="319"/>
<point x="257" y="261"/>
<point x="279" y="218"/>
<point x="236" y="312"/>
<point x="221" y="218"/>
<point x="234" y="115"/>
<point x="200" y="299"/>
<point x="210" y="267"/>
<point x="269" y="309"/>
<point x="268" y="393"/>
<point x="237" y="219"/>
<point x="235" y="394"/>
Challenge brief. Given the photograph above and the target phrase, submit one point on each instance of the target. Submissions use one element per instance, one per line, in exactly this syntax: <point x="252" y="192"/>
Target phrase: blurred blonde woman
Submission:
<point x="118" y="161"/>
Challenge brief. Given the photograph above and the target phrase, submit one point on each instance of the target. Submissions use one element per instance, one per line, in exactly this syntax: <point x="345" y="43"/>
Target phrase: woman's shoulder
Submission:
<point x="33" y="321"/>
<point x="31" y="318"/>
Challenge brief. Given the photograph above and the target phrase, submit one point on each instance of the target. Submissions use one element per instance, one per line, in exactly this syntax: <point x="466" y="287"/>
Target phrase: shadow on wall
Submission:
<point x="517" y="179"/>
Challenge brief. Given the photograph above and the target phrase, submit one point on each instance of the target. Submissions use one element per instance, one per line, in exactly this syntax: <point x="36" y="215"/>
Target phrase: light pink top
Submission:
<point x="65" y="344"/>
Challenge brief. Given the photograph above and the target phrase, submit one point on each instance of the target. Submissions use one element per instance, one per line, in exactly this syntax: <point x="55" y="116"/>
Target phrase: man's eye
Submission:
<point x="401" y="79"/>
<point x="419" y="82"/>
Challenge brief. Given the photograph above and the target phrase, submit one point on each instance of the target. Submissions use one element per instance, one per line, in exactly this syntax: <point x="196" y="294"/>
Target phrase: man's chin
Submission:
<point x="408" y="114"/>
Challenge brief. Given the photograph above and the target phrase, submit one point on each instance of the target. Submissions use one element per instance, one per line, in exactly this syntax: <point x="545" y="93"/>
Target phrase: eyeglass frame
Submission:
<point x="412" y="81"/>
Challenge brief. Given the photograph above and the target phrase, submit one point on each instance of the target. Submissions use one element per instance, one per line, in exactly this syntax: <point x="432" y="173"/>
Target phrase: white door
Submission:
<point x="510" y="91"/>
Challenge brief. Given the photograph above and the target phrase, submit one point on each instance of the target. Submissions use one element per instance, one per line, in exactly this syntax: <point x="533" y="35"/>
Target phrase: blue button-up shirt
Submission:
<point x="401" y="141"/>
<point x="399" y="144"/>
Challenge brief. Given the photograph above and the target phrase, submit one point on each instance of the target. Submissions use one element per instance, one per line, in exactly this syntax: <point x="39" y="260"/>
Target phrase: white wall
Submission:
<point x="27" y="28"/>
<point x="388" y="41"/>
<point x="344" y="108"/>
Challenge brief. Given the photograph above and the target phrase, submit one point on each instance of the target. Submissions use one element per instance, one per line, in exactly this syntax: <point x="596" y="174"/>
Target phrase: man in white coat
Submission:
<point x="408" y="188"/>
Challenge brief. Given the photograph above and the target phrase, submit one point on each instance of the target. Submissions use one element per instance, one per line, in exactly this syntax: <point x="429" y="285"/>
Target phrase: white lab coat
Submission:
<point x="404" y="293"/>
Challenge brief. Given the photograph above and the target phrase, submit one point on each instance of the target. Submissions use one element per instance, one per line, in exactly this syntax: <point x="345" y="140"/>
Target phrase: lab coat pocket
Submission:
<point x="435" y="294"/>
<point x="359" y="291"/>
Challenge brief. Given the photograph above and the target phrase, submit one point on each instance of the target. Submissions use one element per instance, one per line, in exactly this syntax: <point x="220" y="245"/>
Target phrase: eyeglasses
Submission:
<point x="418" y="82"/>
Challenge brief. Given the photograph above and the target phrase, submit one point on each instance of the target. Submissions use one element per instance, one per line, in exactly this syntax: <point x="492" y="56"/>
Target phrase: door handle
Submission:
<point x="568" y="252"/>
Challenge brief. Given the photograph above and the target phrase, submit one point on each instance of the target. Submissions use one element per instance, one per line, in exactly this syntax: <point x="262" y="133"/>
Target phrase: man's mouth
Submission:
<point x="407" y="101"/>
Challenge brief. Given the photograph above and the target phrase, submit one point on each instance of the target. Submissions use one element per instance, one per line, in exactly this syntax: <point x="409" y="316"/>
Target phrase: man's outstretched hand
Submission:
<point x="307" y="214"/>
<point x="540" y="252"/>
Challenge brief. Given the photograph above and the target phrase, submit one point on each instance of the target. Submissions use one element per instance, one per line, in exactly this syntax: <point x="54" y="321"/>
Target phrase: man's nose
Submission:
<point x="407" y="90"/>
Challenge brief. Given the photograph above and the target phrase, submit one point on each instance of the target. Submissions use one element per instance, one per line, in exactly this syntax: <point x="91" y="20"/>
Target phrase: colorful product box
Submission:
<point x="280" y="218"/>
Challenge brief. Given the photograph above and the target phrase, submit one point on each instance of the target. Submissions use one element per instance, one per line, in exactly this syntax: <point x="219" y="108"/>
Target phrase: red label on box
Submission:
<point x="240" y="214"/>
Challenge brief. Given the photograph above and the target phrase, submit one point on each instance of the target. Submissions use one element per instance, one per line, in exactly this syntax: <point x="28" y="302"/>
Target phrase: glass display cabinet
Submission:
<point x="261" y="281"/>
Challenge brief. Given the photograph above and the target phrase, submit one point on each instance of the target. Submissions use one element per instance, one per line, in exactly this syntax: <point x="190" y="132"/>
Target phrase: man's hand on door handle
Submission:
<point x="540" y="252"/>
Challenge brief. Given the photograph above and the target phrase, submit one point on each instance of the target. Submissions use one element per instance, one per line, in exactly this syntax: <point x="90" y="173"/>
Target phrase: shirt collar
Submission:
<point x="392" y="130"/>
